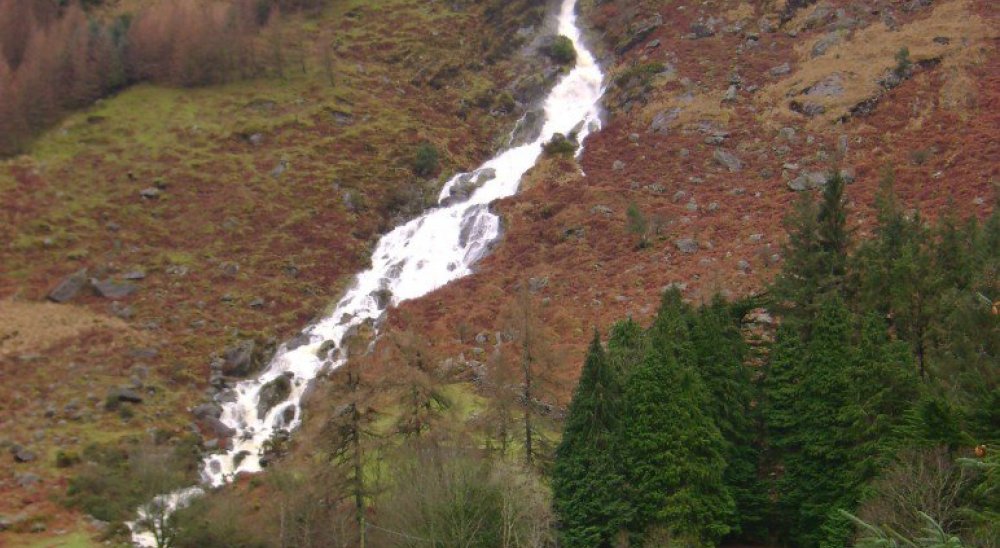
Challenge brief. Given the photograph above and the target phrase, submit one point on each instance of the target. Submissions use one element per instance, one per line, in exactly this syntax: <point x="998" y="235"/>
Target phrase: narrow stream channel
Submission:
<point x="414" y="259"/>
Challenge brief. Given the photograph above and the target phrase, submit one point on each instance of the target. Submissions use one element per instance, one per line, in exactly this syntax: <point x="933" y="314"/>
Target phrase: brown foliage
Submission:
<point x="56" y="59"/>
<point x="191" y="43"/>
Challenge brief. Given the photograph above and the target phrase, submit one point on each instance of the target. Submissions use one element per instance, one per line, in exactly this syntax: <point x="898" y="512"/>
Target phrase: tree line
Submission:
<point x="872" y="422"/>
<point x="55" y="56"/>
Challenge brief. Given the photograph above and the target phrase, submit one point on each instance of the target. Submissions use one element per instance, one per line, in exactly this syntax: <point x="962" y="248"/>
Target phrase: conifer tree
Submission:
<point x="670" y="333"/>
<point x="626" y="347"/>
<point x="673" y="454"/>
<point x="586" y="478"/>
<point x="817" y="478"/>
<point x="720" y="351"/>
<point x="816" y="252"/>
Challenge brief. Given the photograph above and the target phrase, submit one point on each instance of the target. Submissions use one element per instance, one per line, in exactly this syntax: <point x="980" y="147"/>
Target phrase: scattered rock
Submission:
<point x="151" y="193"/>
<point x="280" y="169"/>
<point x="808" y="181"/>
<point x="273" y="393"/>
<point x="69" y="287"/>
<point x="218" y="428"/>
<point x="383" y="298"/>
<point x="23" y="455"/>
<point x="26" y="479"/>
<point x="601" y="210"/>
<point x="204" y="410"/>
<point x="257" y="303"/>
<point x="238" y="360"/>
<point x="135" y="275"/>
<point x="809" y="109"/>
<point x="780" y="70"/>
<point x="743" y="265"/>
<point x="325" y="348"/>
<point x="126" y="395"/>
<point x="727" y="159"/>
<point x="730" y="94"/>
<point x="831" y="86"/>
<point x="633" y="138"/>
<point x="825" y="43"/>
<point x="113" y="290"/>
<point x="664" y="121"/>
<point x="687" y="245"/>
<point x="299" y="340"/>
<point x="679" y="195"/>
<point x="618" y="165"/>
<point x="468" y="183"/>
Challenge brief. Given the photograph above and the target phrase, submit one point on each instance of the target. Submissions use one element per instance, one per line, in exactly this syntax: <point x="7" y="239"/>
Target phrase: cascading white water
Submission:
<point x="414" y="259"/>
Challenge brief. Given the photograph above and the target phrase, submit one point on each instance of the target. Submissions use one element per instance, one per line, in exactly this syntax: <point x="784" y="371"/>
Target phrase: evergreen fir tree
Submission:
<point x="670" y="333"/>
<point x="816" y="252"/>
<point x="673" y="454"/>
<point x="720" y="352"/>
<point x="626" y="346"/>
<point x="587" y="481"/>
<point x="818" y="473"/>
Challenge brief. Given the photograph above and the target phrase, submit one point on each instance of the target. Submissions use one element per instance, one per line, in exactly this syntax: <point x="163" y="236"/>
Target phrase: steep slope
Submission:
<point x="219" y="221"/>
<point x="716" y="112"/>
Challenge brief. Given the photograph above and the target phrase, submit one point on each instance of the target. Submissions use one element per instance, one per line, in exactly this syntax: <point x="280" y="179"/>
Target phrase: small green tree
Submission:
<point x="426" y="160"/>
<point x="638" y="225"/>
<point x="562" y="51"/>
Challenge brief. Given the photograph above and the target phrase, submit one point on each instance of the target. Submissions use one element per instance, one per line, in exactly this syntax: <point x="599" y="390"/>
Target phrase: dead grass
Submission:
<point x="871" y="52"/>
<point x="34" y="327"/>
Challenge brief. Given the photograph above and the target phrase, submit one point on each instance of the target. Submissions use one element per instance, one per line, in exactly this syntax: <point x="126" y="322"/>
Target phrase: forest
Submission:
<point x="870" y="420"/>
<point x="60" y="56"/>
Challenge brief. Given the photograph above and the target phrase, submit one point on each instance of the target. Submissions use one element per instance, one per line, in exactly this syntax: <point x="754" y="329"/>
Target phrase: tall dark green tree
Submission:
<point x="815" y="440"/>
<point x="670" y="333"/>
<point x="673" y="454"/>
<point x="587" y="482"/>
<point x="720" y="352"/>
<point x="816" y="252"/>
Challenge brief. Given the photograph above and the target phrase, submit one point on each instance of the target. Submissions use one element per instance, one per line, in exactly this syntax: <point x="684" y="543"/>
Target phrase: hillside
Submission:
<point x="223" y="216"/>
<point x="185" y="232"/>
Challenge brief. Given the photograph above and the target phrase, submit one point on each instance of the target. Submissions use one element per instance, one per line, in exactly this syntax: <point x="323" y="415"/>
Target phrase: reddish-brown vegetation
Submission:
<point x="55" y="60"/>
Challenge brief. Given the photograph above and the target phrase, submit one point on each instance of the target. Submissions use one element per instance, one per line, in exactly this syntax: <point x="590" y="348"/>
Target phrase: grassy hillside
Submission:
<point x="238" y="212"/>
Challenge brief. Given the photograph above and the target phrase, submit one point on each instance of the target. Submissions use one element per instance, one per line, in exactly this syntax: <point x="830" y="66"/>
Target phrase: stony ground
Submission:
<point x="242" y="210"/>
<point x="174" y="224"/>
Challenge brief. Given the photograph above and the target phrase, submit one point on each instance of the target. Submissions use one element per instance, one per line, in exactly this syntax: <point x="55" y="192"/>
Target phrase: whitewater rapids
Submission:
<point x="414" y="259"/>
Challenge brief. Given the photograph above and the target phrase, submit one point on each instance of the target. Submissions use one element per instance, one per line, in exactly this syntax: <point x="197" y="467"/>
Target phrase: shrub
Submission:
<point x="426" y="160"/>
<point x="562" y="51"/>
<point x="560" y="145"/>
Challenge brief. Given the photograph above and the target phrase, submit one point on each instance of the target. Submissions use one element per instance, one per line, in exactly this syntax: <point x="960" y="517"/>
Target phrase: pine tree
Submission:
<point x="626" y="347"/>
<point x="673" y="454"/>
<point x="816" y="252"/>
<point x="817" y="478"/>
<point x="586" y="478"/>
<point x="670" y="333"/>
<point x="885" y="386"/>
<point x="720" y="351"/>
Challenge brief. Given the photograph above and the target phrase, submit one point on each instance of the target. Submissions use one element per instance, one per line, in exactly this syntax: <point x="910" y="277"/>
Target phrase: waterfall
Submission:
<point x="414" y="259"/>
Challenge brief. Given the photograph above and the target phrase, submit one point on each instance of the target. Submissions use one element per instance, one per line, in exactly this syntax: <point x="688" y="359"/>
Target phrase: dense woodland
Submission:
<point x="58" y="56"/>
<point x="872" y="420"/>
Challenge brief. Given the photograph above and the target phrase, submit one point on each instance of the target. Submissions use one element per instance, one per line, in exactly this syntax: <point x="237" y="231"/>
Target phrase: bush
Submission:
<point x="458" y="499"/>
<point x="562" y="51"/>
<point x="560" y="145"/>
<point x="426" y="160"/>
